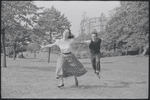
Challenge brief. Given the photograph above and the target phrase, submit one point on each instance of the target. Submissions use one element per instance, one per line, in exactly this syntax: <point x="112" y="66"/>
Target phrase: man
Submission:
<point x="94" y="46"/>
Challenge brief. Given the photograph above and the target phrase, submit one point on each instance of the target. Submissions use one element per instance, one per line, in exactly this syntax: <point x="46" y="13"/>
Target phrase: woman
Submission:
<point x="67" y="64"/>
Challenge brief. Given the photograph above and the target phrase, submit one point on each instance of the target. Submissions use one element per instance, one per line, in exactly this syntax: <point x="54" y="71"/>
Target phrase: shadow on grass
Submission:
<point x="30" y="58"/>
<point x="86" y="62"/>
<point x="107" y="62"/>
<point x="103" y="69"/>
<point x="53" y="68"/>
<point x="101" y="62"/>
<point x="50" y="68"/>
<point x="104" y="85"/>
<point x="130" y="82"/>
<point x="44" y="60"/>
<point x="110" y="84"/>
<point x="97" y="86"/>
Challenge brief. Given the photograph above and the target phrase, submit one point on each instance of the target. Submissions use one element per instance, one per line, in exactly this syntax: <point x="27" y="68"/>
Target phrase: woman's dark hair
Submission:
<point x="70" y="34"/>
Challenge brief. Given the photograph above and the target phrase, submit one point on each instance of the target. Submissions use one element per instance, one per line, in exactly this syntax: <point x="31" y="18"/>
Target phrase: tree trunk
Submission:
<point x="114" y="46"/>
<point x="34" y="55"/>
<point x="145" y="50"/>
<point x="14" y="52"/>
<point x="140" y="50"/>
<point x="4" y="51"/>
<point x="49" y="51"/>
<point x="126" y="51"/>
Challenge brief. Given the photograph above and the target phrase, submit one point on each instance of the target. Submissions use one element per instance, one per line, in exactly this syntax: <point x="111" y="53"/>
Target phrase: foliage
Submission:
<point x="33" y="47"/>
<point x="52" y="21"/>
<point x="16" y="17"/>
<point x="15" y="12"/>
<point x="82" y="54"/>
<point x="10" y="51"/>
<point x="129" y="27"/>
<point x="20" y="55"/>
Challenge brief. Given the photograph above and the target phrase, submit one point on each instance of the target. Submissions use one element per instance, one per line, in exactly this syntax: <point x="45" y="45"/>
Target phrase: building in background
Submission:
<point x="87" y="24"/>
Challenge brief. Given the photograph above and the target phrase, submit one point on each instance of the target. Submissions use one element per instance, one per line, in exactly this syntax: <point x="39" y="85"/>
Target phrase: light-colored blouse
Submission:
<point x="65" y="46"/>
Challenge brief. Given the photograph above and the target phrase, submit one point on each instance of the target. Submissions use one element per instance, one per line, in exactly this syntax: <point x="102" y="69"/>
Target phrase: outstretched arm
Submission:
<point x="102" y="40"/>
<point x="75" y="41"/>
<point x="49" y="45"/>
<point x="86" y="41"/>
<point x="46" y="46"/>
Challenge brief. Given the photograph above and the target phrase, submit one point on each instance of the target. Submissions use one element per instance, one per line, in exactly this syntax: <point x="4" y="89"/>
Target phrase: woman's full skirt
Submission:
<point x="68" y="65"/>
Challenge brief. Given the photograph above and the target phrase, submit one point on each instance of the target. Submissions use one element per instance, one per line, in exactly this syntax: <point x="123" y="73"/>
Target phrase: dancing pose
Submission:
<point x="67" y="63"/>
<point x="94" y="46"/>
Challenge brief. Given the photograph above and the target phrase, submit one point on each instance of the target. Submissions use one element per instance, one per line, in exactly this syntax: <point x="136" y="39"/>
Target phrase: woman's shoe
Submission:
<point x="62" y="85"/>
<point x="98" y="75"/>
<point x="76" y="83"/>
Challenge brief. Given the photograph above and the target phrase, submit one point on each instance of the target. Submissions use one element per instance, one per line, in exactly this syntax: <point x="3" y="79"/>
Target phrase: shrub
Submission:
<point x="56" y="52"/>
<point x="117" y="53"/>
<point x="112" y="53"/>
<point x="105" y="53"/>
<point x="20" y="55"/>
<point x="78" y="55"/>
<point x="133" y="52"/>
<point x="82" y="54"/>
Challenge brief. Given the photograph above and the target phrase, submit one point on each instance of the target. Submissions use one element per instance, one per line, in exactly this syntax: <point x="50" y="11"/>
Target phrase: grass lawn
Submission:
<point x="121" y="77"/>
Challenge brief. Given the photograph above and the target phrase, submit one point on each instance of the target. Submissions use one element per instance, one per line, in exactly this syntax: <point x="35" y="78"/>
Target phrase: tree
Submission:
<point x="52" y="21"/>
<point x="138" y="19"/>
<point x="130" y="25"/>
<point x="18" y="37"/>
<point x="13" y="14"/>
<point x="33" y="47"/>
<point x="3" y="45"/>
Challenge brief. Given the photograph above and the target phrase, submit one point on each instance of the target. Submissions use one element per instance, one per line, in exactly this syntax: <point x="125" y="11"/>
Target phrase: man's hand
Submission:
<point x="42" y="46"/>
<point x="81" y="42"/>
<point x="86" y="41"/>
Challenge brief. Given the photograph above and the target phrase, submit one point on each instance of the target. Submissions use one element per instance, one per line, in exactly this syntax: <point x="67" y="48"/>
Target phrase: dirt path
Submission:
<point x="121" y="77"/>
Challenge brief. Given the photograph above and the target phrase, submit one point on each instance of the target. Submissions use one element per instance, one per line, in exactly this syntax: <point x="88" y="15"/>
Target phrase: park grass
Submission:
<point x="121" y="77"/>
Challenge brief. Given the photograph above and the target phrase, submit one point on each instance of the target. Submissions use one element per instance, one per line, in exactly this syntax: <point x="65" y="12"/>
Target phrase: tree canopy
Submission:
<point x="129" y="26"/>
<point x="53" y="21"/>
<point x="16" y="17"/>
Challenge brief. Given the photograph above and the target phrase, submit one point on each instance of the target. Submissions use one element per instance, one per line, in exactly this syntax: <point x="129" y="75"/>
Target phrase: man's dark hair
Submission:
<point x="94" y="32"/>
<point x="70" y="34"/>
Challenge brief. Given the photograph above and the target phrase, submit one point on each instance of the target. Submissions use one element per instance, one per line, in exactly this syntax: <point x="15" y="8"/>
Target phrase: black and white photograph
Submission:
<point x="74" y="49"/>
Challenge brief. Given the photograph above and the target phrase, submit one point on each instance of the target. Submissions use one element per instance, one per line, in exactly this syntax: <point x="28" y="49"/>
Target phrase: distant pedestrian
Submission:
<point x="67" y="63"/>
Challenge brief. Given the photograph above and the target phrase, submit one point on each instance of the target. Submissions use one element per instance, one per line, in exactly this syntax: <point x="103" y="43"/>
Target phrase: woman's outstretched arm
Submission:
<point x="50" y="45"/>
<point x="46" y="46"/>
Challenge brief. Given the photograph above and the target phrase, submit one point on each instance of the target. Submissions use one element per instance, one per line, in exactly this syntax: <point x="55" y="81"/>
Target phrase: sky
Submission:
<point x="73" y="10"/>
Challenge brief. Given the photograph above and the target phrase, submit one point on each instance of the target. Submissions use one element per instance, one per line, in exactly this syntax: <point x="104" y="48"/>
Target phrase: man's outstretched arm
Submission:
<point x="86" y="41"/>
